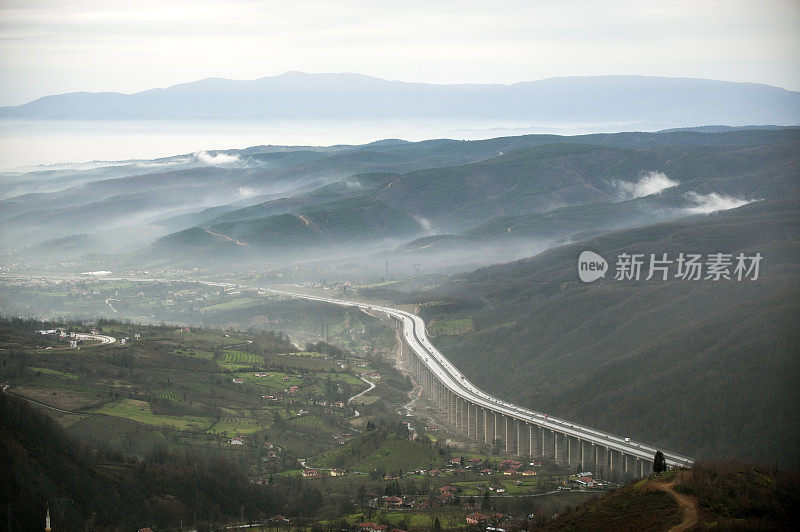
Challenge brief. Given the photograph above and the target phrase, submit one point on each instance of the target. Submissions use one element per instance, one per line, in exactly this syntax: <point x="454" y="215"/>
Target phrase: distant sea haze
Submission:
<point x="324" y="109"/>
<point x="29" y="143"/>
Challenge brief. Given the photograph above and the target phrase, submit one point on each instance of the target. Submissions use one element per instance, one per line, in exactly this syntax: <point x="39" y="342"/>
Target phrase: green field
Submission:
<point x="229" y="305"/>
<point x="308" y="354"/>
<point x="48" y="371"/>
<point x="241" y="357"/>
<point x="140" y="411"/>
<point x="237" y="425"/>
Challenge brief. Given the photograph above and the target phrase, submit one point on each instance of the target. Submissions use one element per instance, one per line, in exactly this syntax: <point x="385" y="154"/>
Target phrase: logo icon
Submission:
<point x="591" y="266"/>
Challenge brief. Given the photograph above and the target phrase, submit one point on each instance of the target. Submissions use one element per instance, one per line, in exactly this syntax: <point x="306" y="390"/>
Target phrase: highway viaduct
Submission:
<point x="489" y="420"/>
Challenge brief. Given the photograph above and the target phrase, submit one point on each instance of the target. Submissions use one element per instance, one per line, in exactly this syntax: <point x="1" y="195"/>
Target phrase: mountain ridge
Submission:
<point x="646" y="100"/>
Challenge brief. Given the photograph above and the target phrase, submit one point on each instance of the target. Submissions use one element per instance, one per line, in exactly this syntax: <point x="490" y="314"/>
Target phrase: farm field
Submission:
<point x="140" y="411"/>
<point x="189" y="388"/>
<point x="256" y="400"/>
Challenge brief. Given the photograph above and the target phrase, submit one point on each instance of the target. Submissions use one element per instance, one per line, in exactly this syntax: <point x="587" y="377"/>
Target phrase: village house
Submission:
<point x="476" y="518"/>
<point x="510" y="464"/>
<point x="371" y="527"/>
<point x="394" y="501"/>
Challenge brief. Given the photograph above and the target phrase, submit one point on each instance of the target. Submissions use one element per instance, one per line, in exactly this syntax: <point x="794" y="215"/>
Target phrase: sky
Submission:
<point x="57" y="46"/>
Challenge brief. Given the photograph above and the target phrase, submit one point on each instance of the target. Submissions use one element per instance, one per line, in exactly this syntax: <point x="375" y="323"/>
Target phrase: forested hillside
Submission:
<point x="42" y="464"/>
<point x="521" y="197"/>
<point x="703" y="367"/>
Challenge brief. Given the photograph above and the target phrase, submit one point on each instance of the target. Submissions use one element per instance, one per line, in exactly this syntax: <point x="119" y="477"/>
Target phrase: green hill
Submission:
<point x="543" y="179"/>
<point x="347" y="223"/>
<point x="727" y="495"/>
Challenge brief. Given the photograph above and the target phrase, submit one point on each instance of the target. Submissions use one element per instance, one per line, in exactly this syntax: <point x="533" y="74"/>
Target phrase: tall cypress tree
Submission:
<point x="659" y="463"/>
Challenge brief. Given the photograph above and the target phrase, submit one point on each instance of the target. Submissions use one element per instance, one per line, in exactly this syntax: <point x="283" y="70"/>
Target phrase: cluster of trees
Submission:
<point x="42" y="465"/>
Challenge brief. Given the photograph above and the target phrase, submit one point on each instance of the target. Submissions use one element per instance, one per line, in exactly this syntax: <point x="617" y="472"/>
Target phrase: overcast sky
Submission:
<point x="56" y="46"/>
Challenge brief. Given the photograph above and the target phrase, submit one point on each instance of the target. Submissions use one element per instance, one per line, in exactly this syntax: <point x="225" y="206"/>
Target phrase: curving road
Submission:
<point x="102" y="338"/>
<point x="356" y="396"/>
<point x="457" y="383"/>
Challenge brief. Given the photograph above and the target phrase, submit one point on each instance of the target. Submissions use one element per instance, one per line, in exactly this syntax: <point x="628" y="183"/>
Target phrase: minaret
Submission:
<point x="47" y="520"/>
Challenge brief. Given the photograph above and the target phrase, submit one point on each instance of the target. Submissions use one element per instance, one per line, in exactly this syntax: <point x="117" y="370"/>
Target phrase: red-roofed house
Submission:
<point x="393" y="501"/>
<point x="476" y="518"/>
<point x="371" y="527"/>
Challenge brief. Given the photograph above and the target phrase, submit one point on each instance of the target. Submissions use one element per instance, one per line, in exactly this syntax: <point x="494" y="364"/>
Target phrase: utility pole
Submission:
<point x="386" y="276"/>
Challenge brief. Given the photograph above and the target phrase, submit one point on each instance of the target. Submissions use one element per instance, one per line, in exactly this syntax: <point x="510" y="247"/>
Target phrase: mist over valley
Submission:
<point x="404" y="311"/>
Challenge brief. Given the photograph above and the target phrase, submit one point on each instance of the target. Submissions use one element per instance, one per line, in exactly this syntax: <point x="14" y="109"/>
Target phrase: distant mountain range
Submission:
<point x="630" y="100"/>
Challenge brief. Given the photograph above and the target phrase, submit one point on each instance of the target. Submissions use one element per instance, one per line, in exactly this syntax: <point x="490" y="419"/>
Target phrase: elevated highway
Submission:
<point x="490" y="420"/>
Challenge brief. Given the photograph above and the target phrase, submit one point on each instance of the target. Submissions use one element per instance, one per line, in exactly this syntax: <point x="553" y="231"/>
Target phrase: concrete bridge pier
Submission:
<point x="573" y="451"/>
<point x="600" y="460"/>
<point x="548" y="444"/>
<point x="514" y="436"/>
<point x="523" y="439"/>
<point x="629" y="465"/>
<point x="535" y="432"/>
<point x="587" y="456"/>
<point x="615" y="463"/>
<point x="480" y="427"/>
<point x="488" y="426"/>
<point x="470" y="415"/>
<point x="645" y="467"/>
<point x="511" y="437"/>
<point x="561" y="448"/>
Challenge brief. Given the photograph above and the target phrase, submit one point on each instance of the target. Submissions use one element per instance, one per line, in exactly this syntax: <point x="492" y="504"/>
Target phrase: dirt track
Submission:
<point x="686" y="503"/>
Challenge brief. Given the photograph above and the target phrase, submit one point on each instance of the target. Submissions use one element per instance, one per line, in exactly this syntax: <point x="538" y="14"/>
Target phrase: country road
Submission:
<point x="356" y="396"/>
